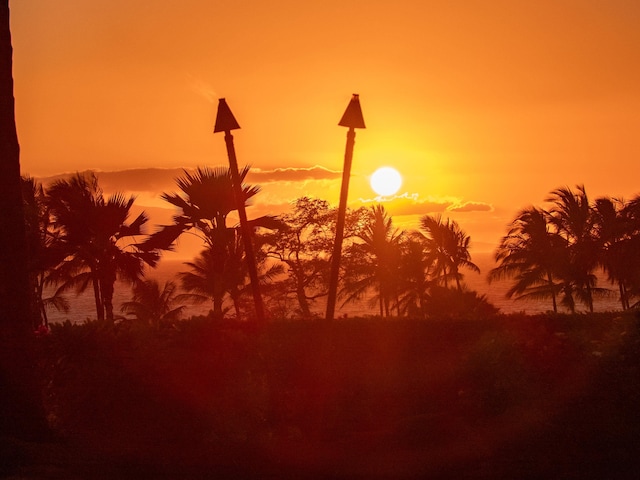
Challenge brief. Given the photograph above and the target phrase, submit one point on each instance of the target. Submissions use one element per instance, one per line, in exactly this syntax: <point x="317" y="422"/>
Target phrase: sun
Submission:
<point x="386" y="181"/>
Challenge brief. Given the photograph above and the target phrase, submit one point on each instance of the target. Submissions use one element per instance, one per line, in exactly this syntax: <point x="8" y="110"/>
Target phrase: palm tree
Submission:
<point x="614" y="236"/>
<point x="205" y="201"/>
<point x="414" y="274"/>
<point x="571" y="215"/>
<point x="631" y="248"/>
<point x="448" y="248"/>
<point x="20" y="402"/>
<point x="97" y="239"/>
<point x="531" y="254"/>
<point x="43" y="249"/>
<point x="153" y="305"/>
<point x="373" y="262"/>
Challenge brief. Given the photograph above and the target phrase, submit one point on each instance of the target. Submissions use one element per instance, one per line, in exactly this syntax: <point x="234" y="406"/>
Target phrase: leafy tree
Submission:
<point x="97" y="238"/>
<point x="532" y="254"/>
<point x="153" y="305"/>
<point x="448" y="249"/>
<point x="303" y="245"/>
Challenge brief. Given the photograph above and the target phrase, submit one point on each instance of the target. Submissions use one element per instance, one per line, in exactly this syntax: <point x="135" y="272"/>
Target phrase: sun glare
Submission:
<point x="386" y="181"/>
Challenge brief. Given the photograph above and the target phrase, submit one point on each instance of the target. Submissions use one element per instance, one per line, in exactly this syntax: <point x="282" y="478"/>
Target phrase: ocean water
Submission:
<point x="83" y="307"/>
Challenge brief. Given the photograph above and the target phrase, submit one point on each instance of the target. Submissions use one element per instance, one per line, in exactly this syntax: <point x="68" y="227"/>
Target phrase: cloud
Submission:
<point x="163" y="179"/>
<point x="471" y="207"/>
<point x="411" y="204"/>
<point x="292" y="174"/>
<point x="153" y="180"/>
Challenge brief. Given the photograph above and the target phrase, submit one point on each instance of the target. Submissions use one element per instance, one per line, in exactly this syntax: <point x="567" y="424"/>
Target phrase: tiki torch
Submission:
<point x="352" y="119"/>
<point x="225" y="122"/>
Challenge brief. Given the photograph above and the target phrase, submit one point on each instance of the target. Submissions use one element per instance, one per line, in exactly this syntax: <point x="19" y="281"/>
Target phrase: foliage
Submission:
<point x="310" y="398"/>
<point x="153" y="305"/>
<point x="372" y="261"/>
<point x="303" y="244"/>
<point x="558" y="252"/>
<point x="206" y="199"/>
<point x="98" y="242"/>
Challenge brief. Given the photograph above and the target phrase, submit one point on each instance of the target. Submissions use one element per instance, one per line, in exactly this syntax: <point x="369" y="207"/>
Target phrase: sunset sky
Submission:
<point x="483" y="106"/>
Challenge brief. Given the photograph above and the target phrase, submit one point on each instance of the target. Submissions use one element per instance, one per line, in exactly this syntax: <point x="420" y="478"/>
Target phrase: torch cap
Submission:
<point x="352" y="116"/>
<point x="225" y="121"/>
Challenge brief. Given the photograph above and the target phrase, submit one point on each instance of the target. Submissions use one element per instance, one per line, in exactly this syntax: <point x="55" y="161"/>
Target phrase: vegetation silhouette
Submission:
<point x="206" y="200"/>
<point x="22" y="412"/>
<point x="372" y="263"/>
<point x="559" y="251"/>
<point x="97" y="240"/>
<point x="153" y="305"/>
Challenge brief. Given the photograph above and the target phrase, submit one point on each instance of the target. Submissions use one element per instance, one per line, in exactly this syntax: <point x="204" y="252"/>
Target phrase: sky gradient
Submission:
<point x="483" y="106"/>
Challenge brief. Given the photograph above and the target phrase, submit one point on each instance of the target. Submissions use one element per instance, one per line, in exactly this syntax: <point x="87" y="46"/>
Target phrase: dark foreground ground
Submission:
<point x="506" y="397"/>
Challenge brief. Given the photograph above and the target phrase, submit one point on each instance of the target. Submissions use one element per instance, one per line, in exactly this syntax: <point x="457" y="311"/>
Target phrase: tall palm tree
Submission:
<point x="205" y="201"/>
<point x="153" y="305"/>
<point x="532" y="254"/>
<point x="631" y="248"/>
<point x="448" y="248"/>
<point x="414" y="275"/>
<point x="44" y="251"/>
<point x="20" y="401"/>
<point x="571" y="215"/>
<point x="97" y="238"/>
<point x="614" y="236"/>
<point x="373" y="262"/>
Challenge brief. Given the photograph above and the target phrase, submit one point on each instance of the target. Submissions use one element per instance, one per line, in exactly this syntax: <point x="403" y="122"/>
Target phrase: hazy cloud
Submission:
<point x="411" y="204"/>
<point x="292" y="174"/>
<point x="162" y="179"/>
<point x="471" y="207"/>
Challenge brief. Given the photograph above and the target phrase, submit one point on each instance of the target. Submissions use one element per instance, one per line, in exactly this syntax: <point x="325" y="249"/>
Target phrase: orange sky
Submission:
<point x="483" y="106"/>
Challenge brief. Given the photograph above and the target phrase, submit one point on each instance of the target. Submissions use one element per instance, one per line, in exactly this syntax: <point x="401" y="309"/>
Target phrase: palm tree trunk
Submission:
<point x="97" y="298"/>
<point x="22" y="413"/>
<point x="624" y="300"/>
<point x="218" y="294"/>
<point x="107" y="299"/>
<point x="553" y="292"/>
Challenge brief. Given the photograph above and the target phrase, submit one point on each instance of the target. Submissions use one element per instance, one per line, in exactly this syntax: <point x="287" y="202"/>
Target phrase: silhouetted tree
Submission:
<point x="414" y="275"/>
<point x="99" y="242"/>
<point x="304" y="246"/>
<point x="153" y="305"/>
<point x="205" y="201"/>
<point x="571" y="215"/>
<point x="531" y="254"/>
<point x="631" y="249"/>
<point x="372" y="263"/>
<point x="19" y="401"/>
<point x="45" y="253"/>
<point x="448" y="248"/>
<point x="612" y="232"/>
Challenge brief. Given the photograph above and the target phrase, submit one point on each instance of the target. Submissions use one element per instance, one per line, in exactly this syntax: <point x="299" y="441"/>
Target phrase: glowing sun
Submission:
<point x="386" y="181"/>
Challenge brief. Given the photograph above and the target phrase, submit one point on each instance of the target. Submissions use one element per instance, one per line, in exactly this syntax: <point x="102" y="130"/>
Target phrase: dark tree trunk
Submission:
<point x="19" y="401"/>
